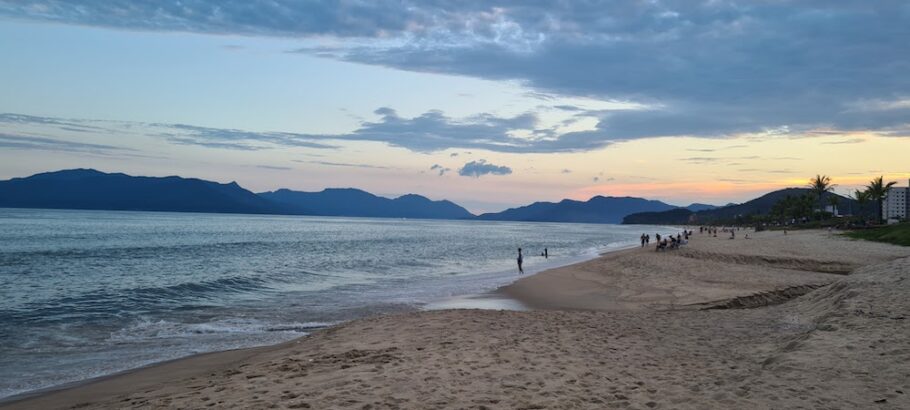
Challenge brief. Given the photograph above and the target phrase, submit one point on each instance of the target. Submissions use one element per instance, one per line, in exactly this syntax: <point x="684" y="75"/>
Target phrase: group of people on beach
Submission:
<point x="670" y="242"/>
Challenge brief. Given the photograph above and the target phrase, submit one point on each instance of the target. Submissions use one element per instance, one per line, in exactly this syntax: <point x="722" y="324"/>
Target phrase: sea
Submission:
<point x="91" y="293"/>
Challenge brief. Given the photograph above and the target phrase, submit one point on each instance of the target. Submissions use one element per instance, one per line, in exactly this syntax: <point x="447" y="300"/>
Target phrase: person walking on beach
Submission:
<point x="546" y="253"/>
<point x="642" y="240"/>
<point x="521" y="271"/>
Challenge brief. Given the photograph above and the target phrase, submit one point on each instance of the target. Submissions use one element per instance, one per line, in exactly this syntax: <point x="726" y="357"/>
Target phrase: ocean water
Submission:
<point x="89" y="293"/>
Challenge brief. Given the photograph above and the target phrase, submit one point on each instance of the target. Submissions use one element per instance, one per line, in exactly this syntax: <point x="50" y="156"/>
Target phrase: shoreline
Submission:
<point x="497" y="301"/>
<point x="661" y="338"/>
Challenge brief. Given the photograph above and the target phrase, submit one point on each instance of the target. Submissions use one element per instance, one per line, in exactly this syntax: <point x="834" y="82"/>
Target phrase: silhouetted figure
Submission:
<point x="546" y="253"/>
<point x="642" y="240"/>
<point x="520" y="260"/>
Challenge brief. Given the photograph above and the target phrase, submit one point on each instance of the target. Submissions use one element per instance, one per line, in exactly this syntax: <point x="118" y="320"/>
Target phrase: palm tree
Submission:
<point x="819" y="185"/>
<point x="878" y="190"/>
<point x="861" y="198"/>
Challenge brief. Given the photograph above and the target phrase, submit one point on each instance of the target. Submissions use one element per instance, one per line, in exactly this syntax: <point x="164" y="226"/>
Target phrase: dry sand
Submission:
<point x="636" y="329"/>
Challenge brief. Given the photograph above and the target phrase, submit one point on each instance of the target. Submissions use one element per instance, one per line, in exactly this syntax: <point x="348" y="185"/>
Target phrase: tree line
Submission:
<point x="811" y="206"/>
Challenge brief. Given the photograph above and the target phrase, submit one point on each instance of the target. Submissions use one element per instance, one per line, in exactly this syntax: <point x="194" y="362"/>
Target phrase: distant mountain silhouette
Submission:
<point x="354" y="202"/>
<point x="758" y="206"/>
<point x="91" y="189"/>
<point x="678" y="216"/>
<point x="700" y="207"/>
<point x="599" y="209"/>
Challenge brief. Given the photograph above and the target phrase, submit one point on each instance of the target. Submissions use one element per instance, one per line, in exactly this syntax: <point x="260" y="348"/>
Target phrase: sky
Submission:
<point x="490" y="104"/>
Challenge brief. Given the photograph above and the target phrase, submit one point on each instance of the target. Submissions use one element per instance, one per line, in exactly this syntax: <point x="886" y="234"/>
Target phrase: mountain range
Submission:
<point x="758" y="206"/>
<point x="354" y="202"/>
<point x="599" y="209"/>
<point x="92" y="189"/>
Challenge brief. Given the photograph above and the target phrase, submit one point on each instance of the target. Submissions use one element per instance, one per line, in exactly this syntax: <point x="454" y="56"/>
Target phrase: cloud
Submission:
<point x="343" y="164"/>
<point x="433" y="131"/>
<point x="235" y="139"/>
<point x="181" y="134"/>
<point x="50" y="144"/>
<point x="62" y="123"/>
<point x="344" y="18"/>
<point x="566" y="171"/>
<point x="847" y="141"/>
<point x="706" y="68"/>
<point x="772" y="171"/>
<point x="709" y="68"/>
<point x="440" y="169"/>
<point x="701" y="160"/>
<point x="481" y="167"/>
<point x="274" y="167"/>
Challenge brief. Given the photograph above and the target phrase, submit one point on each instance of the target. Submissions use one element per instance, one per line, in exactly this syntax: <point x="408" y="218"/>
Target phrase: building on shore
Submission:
<point x="896" y="206"/>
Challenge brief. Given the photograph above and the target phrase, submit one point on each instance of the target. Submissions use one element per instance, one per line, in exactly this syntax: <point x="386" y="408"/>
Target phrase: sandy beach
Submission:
<point x="806" y="320"/>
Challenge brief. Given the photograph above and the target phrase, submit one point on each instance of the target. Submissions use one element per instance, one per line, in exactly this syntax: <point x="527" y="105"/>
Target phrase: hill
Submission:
<point x="695" y="207"/>
<point x="599" y="209"/>
<point x="355" y="202"/>
<point x="91" y="189"/>
<point x="678" y="216"/>
<point x="758" y="206"/>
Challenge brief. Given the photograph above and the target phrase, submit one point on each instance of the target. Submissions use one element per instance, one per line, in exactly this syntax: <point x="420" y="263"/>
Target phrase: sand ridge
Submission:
<point x="841" y="344"/>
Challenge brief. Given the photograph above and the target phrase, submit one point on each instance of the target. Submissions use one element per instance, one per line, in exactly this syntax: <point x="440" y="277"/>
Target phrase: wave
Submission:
<point x="12" y="256"/>
<point x="105" y="303"/>
<point x="144" y="329"/>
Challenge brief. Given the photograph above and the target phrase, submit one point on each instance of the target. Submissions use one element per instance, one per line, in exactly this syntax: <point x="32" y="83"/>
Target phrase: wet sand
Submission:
<point x="804" y="320"/>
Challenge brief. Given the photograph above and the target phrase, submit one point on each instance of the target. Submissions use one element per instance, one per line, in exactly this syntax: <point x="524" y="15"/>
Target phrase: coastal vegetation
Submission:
<point x="816" y="205"/>
<point x="897" y="234"/>
<point x="877" y="191"/>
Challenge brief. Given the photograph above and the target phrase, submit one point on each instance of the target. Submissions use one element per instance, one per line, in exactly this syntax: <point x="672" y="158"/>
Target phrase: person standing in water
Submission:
<point x="520" y="260"/>
<point x="546" y="253"/>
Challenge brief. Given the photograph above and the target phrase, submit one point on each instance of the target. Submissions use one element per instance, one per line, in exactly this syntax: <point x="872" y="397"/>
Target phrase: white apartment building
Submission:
<point x="896" y="206"/>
